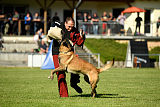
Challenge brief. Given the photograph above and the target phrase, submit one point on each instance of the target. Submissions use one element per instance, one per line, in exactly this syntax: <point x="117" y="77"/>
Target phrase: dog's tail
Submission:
<point x="107" y="66"/>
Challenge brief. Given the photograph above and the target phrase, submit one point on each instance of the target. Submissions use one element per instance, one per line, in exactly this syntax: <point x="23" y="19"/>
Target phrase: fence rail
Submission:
<point x="36" y="60"/>
<point x="113" y="27"/>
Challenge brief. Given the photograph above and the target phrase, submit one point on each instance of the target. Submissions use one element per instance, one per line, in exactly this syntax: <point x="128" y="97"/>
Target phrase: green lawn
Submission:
<point x="108" y="49"/>
<point x="26" y="87"/>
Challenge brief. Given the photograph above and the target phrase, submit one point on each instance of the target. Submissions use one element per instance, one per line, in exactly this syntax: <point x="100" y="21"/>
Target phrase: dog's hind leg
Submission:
<point x="86" y="79"/>
<point x="93" y="93"/>
<point x="93" y="82"/>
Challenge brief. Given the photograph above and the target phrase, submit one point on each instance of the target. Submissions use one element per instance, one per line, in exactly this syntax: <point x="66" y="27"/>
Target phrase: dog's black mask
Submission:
<point x="66" y="43"/>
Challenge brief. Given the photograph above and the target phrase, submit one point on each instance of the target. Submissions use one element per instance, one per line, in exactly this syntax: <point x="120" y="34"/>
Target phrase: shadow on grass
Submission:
<point x="101" y="96"/>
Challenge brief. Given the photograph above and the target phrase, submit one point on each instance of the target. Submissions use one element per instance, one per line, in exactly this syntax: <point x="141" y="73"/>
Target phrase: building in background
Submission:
<point x="64" y="8"/>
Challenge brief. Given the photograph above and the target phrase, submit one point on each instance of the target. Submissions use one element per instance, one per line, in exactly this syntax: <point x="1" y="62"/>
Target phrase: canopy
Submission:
<point x="133" y="9"/>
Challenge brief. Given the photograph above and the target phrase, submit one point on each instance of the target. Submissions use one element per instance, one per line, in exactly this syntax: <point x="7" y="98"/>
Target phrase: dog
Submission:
<point x="70" y="62"/>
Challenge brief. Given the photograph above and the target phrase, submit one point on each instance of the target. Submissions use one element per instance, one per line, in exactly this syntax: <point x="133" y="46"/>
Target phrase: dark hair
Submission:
<point x="69" y="19"/>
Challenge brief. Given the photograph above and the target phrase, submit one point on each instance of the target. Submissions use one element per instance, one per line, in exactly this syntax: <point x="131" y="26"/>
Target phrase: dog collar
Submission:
<point x="65" y="52"/>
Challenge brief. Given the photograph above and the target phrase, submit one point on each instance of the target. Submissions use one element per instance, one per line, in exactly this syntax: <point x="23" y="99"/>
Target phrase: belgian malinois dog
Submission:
<point x="70" y="62"/>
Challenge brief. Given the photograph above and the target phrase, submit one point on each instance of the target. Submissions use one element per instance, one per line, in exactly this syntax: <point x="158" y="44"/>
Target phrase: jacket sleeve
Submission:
<point x="76" y="38"/>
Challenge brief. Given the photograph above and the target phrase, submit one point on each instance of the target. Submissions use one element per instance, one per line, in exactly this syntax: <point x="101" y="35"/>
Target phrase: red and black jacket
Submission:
<point x="73" y="35"/>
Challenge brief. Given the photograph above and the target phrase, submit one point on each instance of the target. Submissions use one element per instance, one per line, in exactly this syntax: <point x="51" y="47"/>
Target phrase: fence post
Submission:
<point x="32" y="60"/>
<point x="19" y="27"/>
<point x="132" y="60"/>
<point x="98" y="60"/>
<point x="159" y="61"/>
<point x="89" y="58"/>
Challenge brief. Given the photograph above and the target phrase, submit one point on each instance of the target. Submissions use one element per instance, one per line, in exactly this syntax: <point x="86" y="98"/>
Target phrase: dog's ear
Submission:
<point x="63" y="41"/>
<point x="65" y="44"/>
<point x="68" y="43"/>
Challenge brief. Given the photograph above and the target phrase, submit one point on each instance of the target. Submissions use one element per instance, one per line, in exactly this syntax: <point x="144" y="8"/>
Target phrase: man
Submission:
<point x="95" y="20"/>
<point x="85" y="20"/>
<point x="43" y="47"/>
<point x="71" y="33"/>
<point x="104" y="19"/>
<point x="121" y="19"/>
<point x="15" y="22"/>
<point x="55" y="19"/>
<point x="2" y="16"/>
<point x="158" y="24"/>
<point x="138" y="23"/>
<point x="27" y="22"/>
<point x="36" y="20"/>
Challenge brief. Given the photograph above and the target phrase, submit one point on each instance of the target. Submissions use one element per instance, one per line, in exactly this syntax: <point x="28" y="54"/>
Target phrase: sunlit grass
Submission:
<point x="26" y="87"/>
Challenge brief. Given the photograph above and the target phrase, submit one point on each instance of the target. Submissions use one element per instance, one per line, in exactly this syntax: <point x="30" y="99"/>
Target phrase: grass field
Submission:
<point x="30" y="87"/>
<point x="108" y="49"/>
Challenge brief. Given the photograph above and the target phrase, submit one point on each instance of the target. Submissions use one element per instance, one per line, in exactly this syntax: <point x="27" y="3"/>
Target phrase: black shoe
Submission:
<point x="77" y="88"/>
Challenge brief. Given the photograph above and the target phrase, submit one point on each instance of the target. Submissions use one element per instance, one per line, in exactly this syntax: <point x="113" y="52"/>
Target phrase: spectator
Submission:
<point x="110" y="22"/>
<point x="36" y="20"/>
<point x="6" y="25"/>
<point x="85" y="20"/>
<point x="36" y="38"/>
<point x="43" y="47"/>
<point x="90" y="25"/>
<point x="27" y="19"/>
<point x="49" y="23"/>
<point x="10" y="23"/>
<point x="104" y="19"/>
<point x="15" y="22"/>
<point x="121" y="18"/>
<point x="2" y="16"/>
<point x="79" y="16"/>
<point x="1" y="42"/>
<point x="41" y="34"/>
<point x="138" y="23"/>
<point x="55" y="19"/>
<point x="158" y="24"/>
<point x="95" y="21"/>
<point x="89" y="17"/>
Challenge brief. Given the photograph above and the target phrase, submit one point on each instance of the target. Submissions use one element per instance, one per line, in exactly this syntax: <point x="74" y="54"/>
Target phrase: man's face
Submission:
<point x="69" y="25"/>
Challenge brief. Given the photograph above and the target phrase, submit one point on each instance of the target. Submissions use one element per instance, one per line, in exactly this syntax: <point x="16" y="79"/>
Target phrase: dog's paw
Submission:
<point x="51" y="77"/>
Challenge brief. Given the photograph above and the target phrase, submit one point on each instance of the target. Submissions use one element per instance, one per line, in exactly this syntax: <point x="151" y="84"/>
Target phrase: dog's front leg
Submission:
<point x="60" y="68"/>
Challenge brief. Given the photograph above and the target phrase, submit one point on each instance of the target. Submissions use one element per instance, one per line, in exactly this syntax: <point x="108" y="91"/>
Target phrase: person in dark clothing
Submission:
<point x="55" y="19"/>
<point x="71" y="33"/>
<point x="95" y="20"/>
<point x="138" y="22"/>
<point x="2" y="16"/>
<point x="36" y="20"/>
<point x="15" y="22"/>
<point x="43" y="47"/>
<point x="157" y="27"/>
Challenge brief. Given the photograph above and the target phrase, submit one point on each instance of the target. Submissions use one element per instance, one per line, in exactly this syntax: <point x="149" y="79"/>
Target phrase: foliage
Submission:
<point x="155" y="50"/>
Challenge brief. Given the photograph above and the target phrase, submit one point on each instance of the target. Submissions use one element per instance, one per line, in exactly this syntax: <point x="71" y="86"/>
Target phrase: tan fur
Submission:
<point x="74" y="64"/>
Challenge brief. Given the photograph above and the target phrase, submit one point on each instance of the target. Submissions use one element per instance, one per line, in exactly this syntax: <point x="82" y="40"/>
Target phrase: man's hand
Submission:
<point x="81" y="33"/>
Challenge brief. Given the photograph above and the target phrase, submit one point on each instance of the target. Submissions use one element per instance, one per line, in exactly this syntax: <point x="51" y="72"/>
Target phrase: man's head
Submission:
<point x="159" y="19"/>
<point x="69" y="23"/>
<point x="36" y="14"/>
<point x="28" y="15"/>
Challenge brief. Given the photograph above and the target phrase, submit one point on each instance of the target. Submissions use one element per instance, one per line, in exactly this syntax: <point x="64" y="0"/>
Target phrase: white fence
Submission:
<point x="36" y="60"/>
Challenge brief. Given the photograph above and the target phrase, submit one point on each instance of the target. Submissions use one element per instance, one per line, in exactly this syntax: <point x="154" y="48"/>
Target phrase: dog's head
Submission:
<point x="65" y="46"/>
